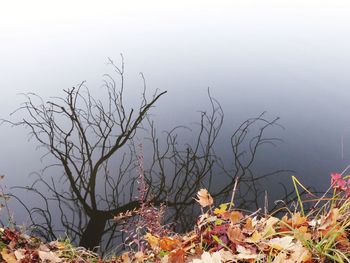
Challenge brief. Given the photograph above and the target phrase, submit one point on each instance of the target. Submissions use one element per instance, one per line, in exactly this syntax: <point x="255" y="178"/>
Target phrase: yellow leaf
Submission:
<point x="8" y="256"/>
<point x="152" y="240"/>
<point x="255" y="238"/>
<point x="222" y="209"/>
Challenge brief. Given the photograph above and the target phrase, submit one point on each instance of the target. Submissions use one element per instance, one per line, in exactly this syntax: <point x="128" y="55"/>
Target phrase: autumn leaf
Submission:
<point x="281" y="243"/>
<point x="49" y="257"/>
<point x="168" y="243"/>
<point x="177" y="256"/>
<point x="8" y="256"/>
<point x="248" y="227"/>
<point x="153" y="241"/>
<point x="206" y="257"/>
<point x="235" y="217"/>
<point x="330" y="220"/>
<point x="204" y="198"/>
<point x="245" y="254"/>
<point x="235" y="234"/>
<point x="222" y="209"/>
<point x="255" y="238"/>
<point x="300" y="254"/>
<point x="298" y="220"/>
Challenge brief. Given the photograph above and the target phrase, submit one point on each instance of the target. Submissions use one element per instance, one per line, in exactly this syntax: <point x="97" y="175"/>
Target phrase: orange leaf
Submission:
<point x="249" y="225"/>
<point x="168" y="243"/>
<point x="177" y="256"/>
<point x="235" y="217"/>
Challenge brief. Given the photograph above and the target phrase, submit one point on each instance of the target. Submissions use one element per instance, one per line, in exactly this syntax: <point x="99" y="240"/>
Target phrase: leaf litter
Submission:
<point x="221" y="234"/>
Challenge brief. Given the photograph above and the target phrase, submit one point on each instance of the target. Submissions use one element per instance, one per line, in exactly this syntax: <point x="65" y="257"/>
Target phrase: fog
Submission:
<point x="288" y="58"/>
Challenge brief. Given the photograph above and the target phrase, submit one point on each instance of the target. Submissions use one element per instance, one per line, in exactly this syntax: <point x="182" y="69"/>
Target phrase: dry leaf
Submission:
<point x="300" y="254"/>
<point x="177" y="256"/>
<point x="49" y="257"/>
<point x="281" y="243"/>
<point x="330" y="220"/>
<point x="280" y="258"/>
<point x="139" y="257"/>
<point x="245" y="254"/>
<point x="168" y="243"/>
<point x="235" y="217"/>
<point x="235" y="234"/>
<point x="152" y="240"/>
<point x="206" y="257"/>
<point x="20" y="253"/>
<point x="125" y="257"/>
<point x="204" y="198"/>
<point x="298" y="220"/>
<point x="255" y="238"/>
<point x="8" y="256"/>
<point x="248" y="227"/>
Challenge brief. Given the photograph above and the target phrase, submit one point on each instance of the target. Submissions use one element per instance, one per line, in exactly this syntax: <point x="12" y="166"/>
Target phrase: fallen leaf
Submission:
<point x="139" y="257"/>
<point x="245" y="254"/>
<point x="235" y="234"/>
<point x="8" y="256"/>
<point x="125" y="257"/>
<point x="177" y="256"/>
<point x="153" y="241"/>
<point x="300" y="254"/>
<point x="330" y="220"/>
<point x="49" y="256"/>
<point x="235" y="217"/>
<point x="168" y="243"/>
<point x="206" y="257"/>
<point x="280" y="258"/>
<point x="20" y="253"/>
<point x="298" y="220"/>
<point x="248" y="227"/>
<point x="281" y="243"/>
<point x="255" y="238"/>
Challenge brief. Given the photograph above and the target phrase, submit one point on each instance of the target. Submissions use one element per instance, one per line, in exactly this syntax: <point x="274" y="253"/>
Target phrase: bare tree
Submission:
<point x="92" y="141"/>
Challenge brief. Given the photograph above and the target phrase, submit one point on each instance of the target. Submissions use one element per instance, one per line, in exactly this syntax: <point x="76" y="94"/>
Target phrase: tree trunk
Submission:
<point x="92" y="234"/>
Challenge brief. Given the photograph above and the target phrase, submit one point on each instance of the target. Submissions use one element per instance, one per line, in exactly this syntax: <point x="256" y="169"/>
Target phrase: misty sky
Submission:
<point x="289" y="58"/>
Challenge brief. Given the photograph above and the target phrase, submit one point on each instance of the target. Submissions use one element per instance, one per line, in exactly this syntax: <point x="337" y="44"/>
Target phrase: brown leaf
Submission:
<point x="235" y="217"/>
<point x="330" y="220"/>
<point x="235" y="235"/>
<point x="248" y="227"/>
<point x="204" y="198"/>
